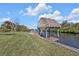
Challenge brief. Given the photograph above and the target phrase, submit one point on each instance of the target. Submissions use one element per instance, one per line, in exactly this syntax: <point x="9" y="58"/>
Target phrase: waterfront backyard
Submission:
<point x="39" y="30"/>
<point x="24" y="44"/>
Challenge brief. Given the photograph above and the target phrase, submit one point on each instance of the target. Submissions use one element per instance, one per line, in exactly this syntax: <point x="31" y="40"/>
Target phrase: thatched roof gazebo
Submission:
<point x="45" y="24"/>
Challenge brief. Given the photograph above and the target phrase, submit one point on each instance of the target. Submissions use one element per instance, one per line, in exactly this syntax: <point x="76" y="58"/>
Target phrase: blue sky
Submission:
<point x="29" y="13"/>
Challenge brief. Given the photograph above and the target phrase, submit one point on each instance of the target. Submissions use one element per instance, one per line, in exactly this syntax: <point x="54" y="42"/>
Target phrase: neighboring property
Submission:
<point x="45" y="25"/>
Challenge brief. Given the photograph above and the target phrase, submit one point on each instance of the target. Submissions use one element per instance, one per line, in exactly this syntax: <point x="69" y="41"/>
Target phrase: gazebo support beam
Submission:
<point x="46" y="32"/>
<point x="58" y="33"/>
<point x="49" y="32"/>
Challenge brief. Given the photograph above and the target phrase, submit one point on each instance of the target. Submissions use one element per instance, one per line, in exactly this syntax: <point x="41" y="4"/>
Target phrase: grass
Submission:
<point x="24" y="44"/>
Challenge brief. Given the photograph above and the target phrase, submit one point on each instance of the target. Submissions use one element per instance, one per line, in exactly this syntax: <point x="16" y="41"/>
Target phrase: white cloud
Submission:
<point x="75" y="11"/>
<point x="73" y="15"/>
<point x="56" y="15"/>
<point x="35" y="11"/>
<point x="4" y="19"/>
<point x="74" y="21"/>
<point x="46" y="15"/>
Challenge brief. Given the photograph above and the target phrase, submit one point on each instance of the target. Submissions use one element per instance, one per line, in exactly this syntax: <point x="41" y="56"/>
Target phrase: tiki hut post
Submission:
<point x="58" y="33"/>
<point x="49" y="32"/>
<point x="46" y="35"/>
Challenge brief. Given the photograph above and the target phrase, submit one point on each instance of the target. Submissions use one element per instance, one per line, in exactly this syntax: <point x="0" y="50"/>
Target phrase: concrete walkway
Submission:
<point x="68" y="47"/>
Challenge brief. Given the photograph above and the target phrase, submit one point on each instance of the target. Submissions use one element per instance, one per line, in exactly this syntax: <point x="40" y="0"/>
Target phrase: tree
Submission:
<point x="76" y="26"/>
<point x="65" y="25"/>
<point x="70" y="27"/>
<point x="7" y="26"/>
<point x="22" y="28"/>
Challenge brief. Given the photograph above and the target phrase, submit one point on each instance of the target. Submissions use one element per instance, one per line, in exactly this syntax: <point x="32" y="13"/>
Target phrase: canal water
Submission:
<point x="66" y="38"/>
<point x="69" y="39"/>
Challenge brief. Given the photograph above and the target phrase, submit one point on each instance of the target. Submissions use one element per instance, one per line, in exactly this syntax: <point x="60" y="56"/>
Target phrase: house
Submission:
<point x="45" y="25"/>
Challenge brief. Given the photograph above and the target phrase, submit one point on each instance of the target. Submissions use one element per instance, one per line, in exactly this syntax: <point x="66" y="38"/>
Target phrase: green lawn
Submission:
<point x="24" y="44"/>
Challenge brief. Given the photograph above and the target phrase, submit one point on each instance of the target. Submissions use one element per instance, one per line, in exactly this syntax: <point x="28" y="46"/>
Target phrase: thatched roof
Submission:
<point x="47" y="22"/>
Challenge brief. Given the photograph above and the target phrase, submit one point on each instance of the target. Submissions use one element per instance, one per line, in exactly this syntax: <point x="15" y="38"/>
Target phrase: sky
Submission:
<point x="29" y="13"/>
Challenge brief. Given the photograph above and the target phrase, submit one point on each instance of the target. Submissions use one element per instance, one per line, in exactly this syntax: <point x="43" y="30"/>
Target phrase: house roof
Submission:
<point x="47" y="22"/>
